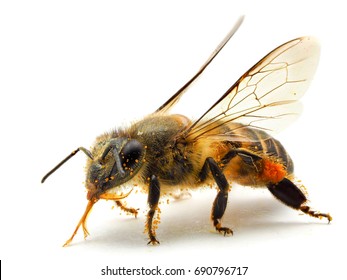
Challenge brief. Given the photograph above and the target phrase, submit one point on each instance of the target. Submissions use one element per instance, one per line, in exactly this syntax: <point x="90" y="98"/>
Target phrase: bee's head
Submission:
<point x="113" y="163"/>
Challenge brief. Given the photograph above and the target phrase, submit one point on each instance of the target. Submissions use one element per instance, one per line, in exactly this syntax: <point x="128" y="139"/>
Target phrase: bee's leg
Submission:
<point x="153" y="199"/>
<point x="287" y="192"/>
<point x="127" y="209"/>
<point x="221" y="200"/>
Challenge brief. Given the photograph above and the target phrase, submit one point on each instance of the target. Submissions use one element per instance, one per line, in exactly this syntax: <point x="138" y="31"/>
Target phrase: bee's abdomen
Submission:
<point x="257" y="159"/>
<point x="264" y="144"/>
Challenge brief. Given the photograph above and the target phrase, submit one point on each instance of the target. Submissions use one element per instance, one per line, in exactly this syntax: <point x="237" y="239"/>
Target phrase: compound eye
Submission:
<point x="131" y="154"/>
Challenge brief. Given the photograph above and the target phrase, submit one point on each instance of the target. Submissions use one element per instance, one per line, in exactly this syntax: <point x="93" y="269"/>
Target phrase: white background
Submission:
<point x="70" y="70"/>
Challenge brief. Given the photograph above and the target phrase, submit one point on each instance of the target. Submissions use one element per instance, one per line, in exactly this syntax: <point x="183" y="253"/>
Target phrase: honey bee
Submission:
<point x="230" y="142"/>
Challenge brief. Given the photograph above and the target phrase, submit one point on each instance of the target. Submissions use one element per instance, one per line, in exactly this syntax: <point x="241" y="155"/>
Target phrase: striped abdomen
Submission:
<point x="260" y="159"/>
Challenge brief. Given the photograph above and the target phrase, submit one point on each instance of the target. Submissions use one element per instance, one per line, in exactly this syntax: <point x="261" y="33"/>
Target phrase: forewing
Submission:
<point x="165" y="108"/>
<point x="266" y="96"/>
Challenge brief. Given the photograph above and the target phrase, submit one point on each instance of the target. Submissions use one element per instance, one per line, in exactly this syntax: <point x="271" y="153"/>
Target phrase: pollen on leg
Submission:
<point x="273" y="172"/>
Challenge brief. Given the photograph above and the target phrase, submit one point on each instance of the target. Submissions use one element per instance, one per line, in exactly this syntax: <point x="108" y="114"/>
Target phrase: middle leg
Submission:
<point x="221" y="200"/>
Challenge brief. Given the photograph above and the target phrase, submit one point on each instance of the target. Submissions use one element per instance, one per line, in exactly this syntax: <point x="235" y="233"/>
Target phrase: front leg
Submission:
<point x="129" y="210"/>
<point x="153" y="199"/>
<point x="221" y="200"/>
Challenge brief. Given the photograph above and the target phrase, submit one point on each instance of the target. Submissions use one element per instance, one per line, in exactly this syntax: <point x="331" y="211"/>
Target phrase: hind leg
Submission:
<point x="287" y="192"/>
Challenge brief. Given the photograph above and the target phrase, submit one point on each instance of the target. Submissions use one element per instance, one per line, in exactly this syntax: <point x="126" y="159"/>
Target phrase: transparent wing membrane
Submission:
<point x="266" y="96"/>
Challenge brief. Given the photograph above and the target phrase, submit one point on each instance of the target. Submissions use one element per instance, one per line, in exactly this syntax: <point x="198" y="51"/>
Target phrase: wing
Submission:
<point x="266" y="96"/>
<point x="174" y="99"/>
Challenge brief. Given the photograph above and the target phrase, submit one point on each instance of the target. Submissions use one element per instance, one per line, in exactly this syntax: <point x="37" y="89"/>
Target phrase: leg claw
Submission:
<point x="225" y="230"/>
<point x="153" y="241"/>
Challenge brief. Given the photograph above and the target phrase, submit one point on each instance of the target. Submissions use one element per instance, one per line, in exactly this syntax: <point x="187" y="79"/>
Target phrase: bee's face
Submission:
<point x="115" y="162"/>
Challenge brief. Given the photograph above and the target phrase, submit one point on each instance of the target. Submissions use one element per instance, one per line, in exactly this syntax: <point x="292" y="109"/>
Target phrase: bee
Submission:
<point x="230" y="142"/>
